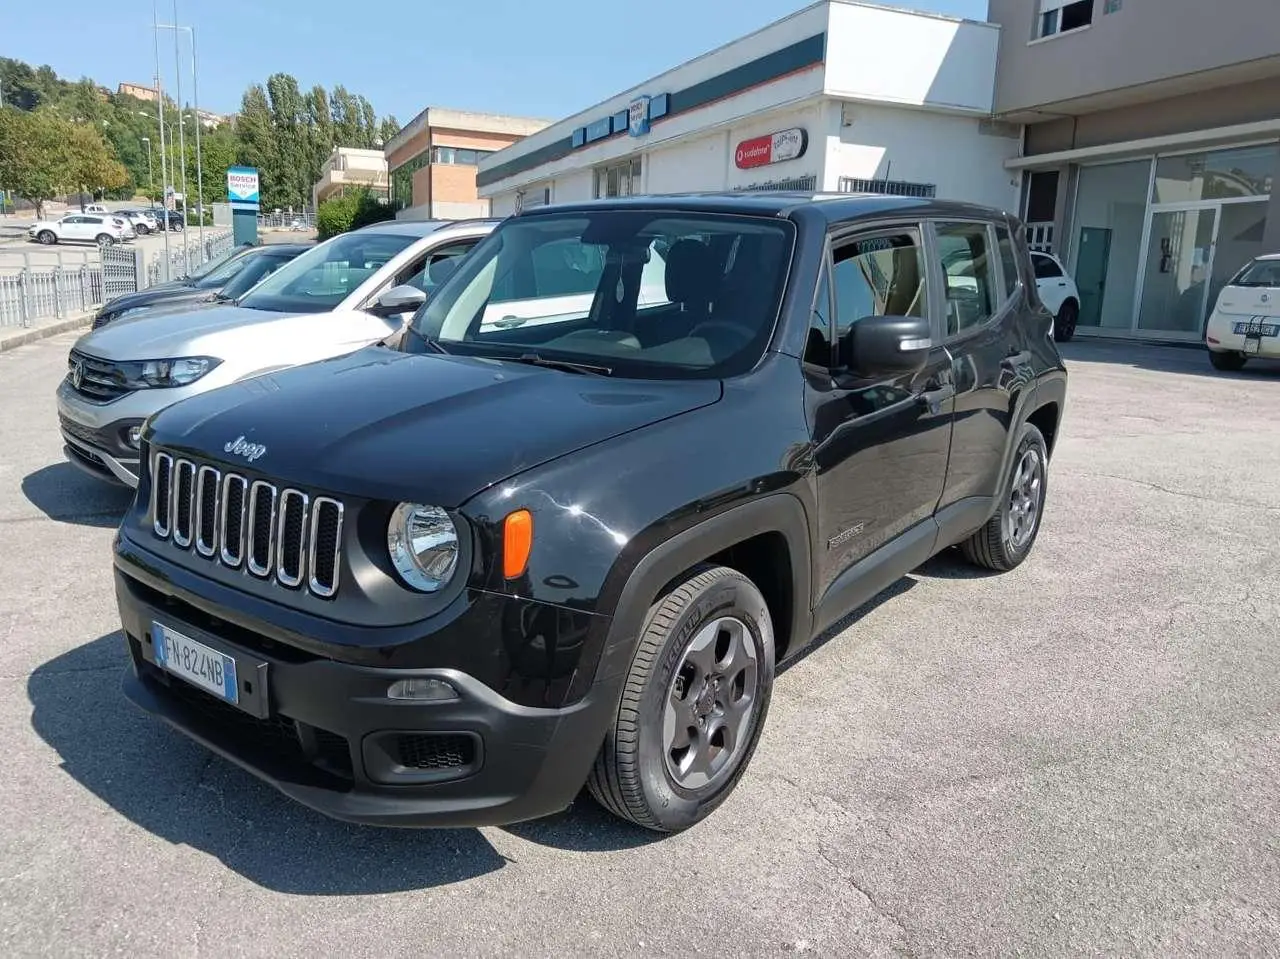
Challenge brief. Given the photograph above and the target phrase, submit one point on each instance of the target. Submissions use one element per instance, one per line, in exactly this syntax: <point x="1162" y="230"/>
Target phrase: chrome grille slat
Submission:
<point x="291" y="537"/>
<point x="161" y="495"/>
<point x="208" y="481"/>
<point x="258" y="512"/>
<point x="235" y="489"/>
<point x="324" y="546"/>
<point x="184" y="483"/>
<point x="271" y="532"/>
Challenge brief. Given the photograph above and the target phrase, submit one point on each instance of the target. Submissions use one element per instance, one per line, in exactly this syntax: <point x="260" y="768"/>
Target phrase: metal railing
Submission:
<point x="38" y="284"/>
<point x="284" y="221"/>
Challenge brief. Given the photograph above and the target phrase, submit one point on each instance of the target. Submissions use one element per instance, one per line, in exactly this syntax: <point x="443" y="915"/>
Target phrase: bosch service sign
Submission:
<point x="771" y="148"/>
<point x="242" y="186"/>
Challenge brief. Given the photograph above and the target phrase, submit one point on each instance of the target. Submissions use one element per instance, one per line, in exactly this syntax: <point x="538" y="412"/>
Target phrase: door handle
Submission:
<point x="936" y="397"/>
<point x="1063" y="283"/>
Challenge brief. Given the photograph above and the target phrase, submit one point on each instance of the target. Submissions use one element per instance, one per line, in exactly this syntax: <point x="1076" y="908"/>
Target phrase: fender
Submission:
<point x="777" y="513"/>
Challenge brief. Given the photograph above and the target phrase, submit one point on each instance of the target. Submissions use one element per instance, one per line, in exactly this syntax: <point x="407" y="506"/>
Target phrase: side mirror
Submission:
<point x="879" y="346"/>
<point x="397" y="300"/>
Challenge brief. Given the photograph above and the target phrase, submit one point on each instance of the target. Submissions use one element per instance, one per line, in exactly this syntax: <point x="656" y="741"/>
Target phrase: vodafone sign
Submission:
<point x="771" y="148"/>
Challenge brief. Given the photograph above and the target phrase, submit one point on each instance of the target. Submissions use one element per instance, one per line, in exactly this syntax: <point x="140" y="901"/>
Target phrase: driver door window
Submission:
<point x="877" y="275"/>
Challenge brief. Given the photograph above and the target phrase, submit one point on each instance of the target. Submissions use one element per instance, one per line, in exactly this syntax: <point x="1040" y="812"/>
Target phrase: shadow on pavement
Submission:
<point x="173" y="788"/>
<point x="1190" y="359"/>
<point x="951" y="564"/>
<point x="66" y="495"/>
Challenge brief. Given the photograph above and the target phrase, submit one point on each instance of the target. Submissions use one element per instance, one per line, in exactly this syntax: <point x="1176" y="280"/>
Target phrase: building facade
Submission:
<point x="138" y="91"/>
<point x="432" y="161"/>
<point x="347" y="168"/>
<point x="1151" y="148"/>
<point x="820" y="100"/>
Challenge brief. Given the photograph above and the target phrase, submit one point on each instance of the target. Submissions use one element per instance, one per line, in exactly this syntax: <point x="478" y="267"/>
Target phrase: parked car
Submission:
<point x="1246" y="317"/>
<point x="97" y="208"/>
<point x="369" y="281"/>
<point x="233" y="277"/>
<point x="1058" y="291"/>
<point x="174" y="218"/>
<point x="141" y="220"/>
<point x="75" y="227"/>
<point x="449" y="584"/>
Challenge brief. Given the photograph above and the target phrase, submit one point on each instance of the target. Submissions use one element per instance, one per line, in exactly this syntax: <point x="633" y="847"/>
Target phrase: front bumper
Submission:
<point x="325" y="734"/>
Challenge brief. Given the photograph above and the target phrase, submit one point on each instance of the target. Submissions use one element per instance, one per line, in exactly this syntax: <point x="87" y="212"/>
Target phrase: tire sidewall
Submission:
<point x="1031" y="437"/>
<point x="675" y="807"/>
<point x="1065" y="322"/>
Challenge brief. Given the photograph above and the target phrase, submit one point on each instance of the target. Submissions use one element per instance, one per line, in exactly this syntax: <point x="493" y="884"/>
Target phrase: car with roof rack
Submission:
<point x="542" y="542"/>
<point x="352" y="290"/>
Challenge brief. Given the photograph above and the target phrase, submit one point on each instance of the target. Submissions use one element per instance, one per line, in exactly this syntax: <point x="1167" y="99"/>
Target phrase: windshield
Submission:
<point x="326" y="275"/>
<point x="255" y="270"/>
<point x="1259" y="273"/>
<point x="641" y="293"/>
<point x="225" y="269"/>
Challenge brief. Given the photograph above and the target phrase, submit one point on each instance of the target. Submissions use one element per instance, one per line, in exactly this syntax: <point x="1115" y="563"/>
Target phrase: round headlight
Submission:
<point x="423" y="543"/>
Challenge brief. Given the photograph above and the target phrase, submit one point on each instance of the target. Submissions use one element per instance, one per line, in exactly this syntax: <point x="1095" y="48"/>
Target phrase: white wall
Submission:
<point x="458" y="210"/>
<point x="921" y="147"/>
<point x="687" y="166"/>
<point x="503" y="204"/>
<point x="895" y="56"/>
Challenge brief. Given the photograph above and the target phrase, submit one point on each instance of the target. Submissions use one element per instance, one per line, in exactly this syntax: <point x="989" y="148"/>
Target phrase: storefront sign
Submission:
<point x="242" y="186"/>
<point x="638" y="117"/>
<point x="771" y="148"/>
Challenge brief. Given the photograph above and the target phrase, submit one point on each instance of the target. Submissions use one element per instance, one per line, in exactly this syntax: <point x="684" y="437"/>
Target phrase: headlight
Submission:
<point x="159" y="374"/>
<point x="423" y="543"/>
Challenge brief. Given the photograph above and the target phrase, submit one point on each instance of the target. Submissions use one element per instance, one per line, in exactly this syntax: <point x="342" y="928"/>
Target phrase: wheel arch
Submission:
<point x="749" y="538"/>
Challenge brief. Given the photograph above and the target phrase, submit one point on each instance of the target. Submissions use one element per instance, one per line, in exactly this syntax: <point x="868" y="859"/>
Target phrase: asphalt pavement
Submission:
<point x="1079" y="757"/>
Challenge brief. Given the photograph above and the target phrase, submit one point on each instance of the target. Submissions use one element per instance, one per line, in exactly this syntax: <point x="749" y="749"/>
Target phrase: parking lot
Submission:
<point x="1079" y="757"/>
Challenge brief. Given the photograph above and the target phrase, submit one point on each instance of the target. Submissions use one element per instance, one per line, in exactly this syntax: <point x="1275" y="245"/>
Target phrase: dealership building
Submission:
<point x="840" y="96"/>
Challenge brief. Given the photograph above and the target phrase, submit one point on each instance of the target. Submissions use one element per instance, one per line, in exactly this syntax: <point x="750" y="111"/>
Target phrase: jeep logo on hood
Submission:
<point x="250" y="451"/>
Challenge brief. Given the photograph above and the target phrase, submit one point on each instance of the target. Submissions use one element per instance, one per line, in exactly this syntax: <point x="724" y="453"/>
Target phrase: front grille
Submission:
<point x="82" y="433"/>
<point x="434" y="750"/>
<point x="96" y="379"/>
<point x="272" y="533"/>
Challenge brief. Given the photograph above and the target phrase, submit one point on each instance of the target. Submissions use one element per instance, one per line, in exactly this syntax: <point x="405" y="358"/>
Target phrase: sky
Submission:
<point x="540" y="58"/>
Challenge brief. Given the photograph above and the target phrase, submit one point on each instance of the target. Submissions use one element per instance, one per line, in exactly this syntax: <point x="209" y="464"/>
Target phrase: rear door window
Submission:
<point x="968" y="273"/>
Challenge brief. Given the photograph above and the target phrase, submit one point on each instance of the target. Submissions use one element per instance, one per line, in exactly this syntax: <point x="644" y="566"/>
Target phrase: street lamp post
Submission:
<point x="164" y="179"/>
<point x="195" y="97"/>
<point x="151" y="177"/>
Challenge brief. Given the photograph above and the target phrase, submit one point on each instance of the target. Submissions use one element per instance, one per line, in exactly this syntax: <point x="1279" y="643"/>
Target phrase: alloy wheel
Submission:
<point x="709" y="707"/>
<point x="1025" y="500"/>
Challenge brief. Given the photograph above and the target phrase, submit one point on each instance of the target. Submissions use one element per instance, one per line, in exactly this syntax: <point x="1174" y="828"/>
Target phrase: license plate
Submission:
<point x="199" y="665"/>
<point x="1257" y="329"/>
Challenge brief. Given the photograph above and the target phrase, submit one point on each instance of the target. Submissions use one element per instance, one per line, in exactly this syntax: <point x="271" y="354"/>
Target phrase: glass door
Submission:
<point x="1176" y="270"/>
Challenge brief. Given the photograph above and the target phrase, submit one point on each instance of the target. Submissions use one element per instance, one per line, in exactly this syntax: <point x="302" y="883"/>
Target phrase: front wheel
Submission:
<point x="1064" y="324"/>
<point x="1228" y="362"/>
<point x="105" y="239"/>
<point x="693" y="705"/>
<point x="142" y="229"/>
<point x="1007" y="538"/>
<point x="47" y="237"/>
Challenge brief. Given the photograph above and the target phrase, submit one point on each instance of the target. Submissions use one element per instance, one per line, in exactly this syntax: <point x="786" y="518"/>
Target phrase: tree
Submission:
<point x="388" y="130"/>
<point x="288" y="115"/>
<point x="90" y="162"/>
<point x="354" y="209"/>
<point x="257" y="141"/>
<point x="33" y="155"/>
<point x="346" y="117"/>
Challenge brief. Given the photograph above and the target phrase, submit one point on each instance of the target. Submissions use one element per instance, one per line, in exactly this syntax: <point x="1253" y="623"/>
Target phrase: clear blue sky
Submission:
<point x="547" y="58"/>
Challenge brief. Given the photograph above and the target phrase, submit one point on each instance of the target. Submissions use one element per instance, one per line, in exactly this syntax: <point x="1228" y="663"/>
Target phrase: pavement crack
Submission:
<point x="895" y="920"/>
<point x="1202" y="497"/>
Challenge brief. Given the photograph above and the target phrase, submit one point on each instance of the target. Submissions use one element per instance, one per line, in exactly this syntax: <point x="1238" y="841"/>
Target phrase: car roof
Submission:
<point x="285" y="248"/>
<point x="833" y="207"/>
<point x="1268" y="256"/>
<point x="417" y="228"/>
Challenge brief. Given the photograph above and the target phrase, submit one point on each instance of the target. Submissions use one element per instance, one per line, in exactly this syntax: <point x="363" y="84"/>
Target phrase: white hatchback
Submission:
<point x="1058" y="292"/>
<point x="1246" y="319"/>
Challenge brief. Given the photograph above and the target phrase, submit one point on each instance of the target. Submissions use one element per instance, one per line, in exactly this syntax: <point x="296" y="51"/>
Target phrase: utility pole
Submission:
<point x="195" y="93"/>
<point x="151" y="176"/>
<point x="155" y="35"/>
<point x="182" y="140"/>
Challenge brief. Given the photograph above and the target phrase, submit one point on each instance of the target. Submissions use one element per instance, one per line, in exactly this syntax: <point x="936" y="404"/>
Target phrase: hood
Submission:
<point x="156" y="295"/>
<point x="162" y="334"/>
<point x="425" y="428"/>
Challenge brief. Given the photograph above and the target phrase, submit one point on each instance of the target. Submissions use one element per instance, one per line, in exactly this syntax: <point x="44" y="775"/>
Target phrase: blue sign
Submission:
<point x="638" y="117"/>
<point x="635" y="120"/>
<point x="599" y="130"/>
<point x="242" y="186"/>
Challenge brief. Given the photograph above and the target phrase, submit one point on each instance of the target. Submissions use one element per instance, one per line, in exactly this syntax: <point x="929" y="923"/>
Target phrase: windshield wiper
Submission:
<point x="427" y="341"/>
<point x="569" y="366"/>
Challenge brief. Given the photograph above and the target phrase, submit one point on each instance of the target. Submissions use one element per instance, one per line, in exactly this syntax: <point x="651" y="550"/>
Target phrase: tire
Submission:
<point x="142" y="229"/>
<point x="1228" y="362"/>
<point x="640" y="775"/>
<point x="1006" y="540"/>
<point x="105" y="239"/>
<point x="47" y="237"/>
<point x="1064" y="324"/>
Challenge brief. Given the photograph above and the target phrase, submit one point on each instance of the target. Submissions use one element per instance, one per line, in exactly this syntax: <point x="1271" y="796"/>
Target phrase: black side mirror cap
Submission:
<point x="880" y="346"/>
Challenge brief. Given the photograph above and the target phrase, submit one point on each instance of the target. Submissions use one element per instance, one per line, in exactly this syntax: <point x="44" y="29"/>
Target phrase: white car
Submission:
<point x="141" y="221"/>
<point x="347" y="293"/>
<point x="1058" y="292"/>
<point x="86" y="227"/>
<point x="1246" y="319"/>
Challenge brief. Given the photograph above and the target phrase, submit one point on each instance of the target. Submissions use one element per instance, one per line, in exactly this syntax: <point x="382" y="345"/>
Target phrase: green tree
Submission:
<point x="90" y="163"/>
<point x="388" y="129"/>
<point x="354" y="209"/>
<point x="288" y="118"/>
<point x="257" y="141"/>
<point x="346" y="117"/>
<point x="33" y="155"/>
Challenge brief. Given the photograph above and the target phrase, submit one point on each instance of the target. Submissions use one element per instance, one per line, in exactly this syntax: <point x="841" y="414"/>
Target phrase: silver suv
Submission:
<point x="346" y="293"/>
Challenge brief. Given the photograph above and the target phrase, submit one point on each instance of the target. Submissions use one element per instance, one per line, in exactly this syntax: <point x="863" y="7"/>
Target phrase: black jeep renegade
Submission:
<point x="629" y="457"/>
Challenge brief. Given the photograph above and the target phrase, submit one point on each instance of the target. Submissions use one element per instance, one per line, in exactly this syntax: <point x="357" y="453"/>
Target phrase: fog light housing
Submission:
<point x="135" y="437"/>
<point x="422" y="690"/>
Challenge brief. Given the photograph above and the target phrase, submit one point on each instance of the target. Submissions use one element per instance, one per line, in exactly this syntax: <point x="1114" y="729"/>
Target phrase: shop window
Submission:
<point x="968" y="274"/>
<point x="1063" y="16"/>
<point x="458" y="156"/>
<point x="1042" y="196"/>
<point x="1217" y="175"/>
<point x="619" y="179"/>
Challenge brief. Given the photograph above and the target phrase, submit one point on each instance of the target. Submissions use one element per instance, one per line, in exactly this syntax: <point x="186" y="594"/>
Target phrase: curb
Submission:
<point x="22" y="336"/>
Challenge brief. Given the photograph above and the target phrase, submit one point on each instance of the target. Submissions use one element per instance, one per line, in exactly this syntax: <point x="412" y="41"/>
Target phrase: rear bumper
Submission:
<point x="1221" y="335"/>
<point x="325" y="733"/>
